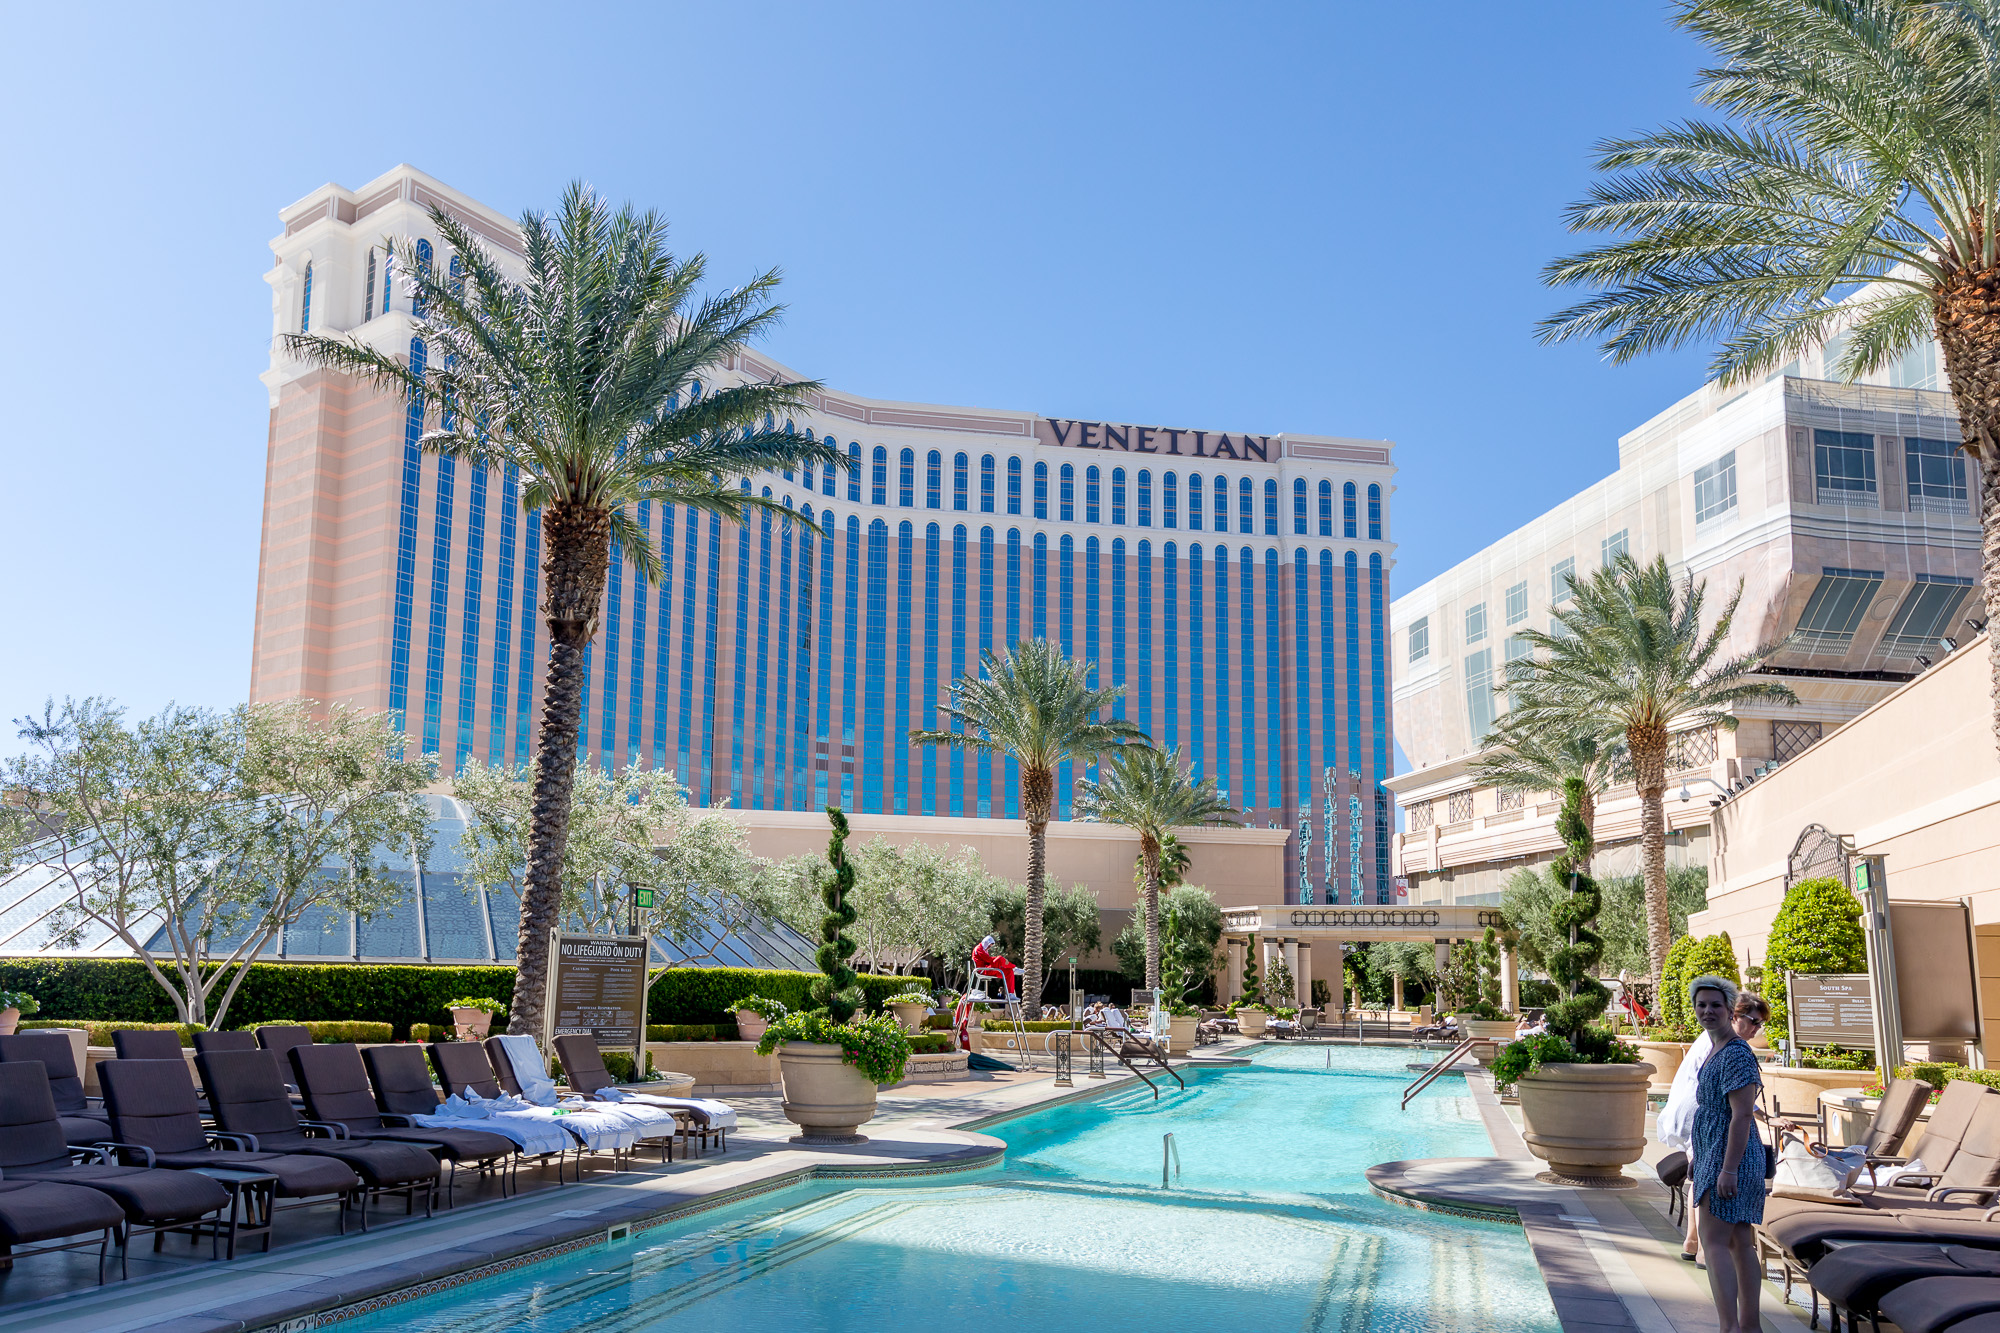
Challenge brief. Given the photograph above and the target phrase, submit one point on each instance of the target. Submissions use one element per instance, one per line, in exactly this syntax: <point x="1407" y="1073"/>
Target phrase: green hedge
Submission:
<point x="691" y="1032"/>
<point x="332" y="1032"/>
<point x="710" y="994"/>
<point x="1035" y="1025"/>
<point x="100" y="1033"/>
<point x="399" y="994"/>
<point x="1938" y="1074"/>
<point x="930" y="1043"/>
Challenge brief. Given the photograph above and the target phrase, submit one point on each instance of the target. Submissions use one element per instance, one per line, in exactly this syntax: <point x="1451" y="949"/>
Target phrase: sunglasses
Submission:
<point x="1751" y="1019"/>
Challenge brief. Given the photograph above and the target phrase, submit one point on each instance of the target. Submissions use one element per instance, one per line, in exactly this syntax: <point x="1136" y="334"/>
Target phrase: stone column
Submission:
<point x="1292" y="966"/>
<point x="1231" y="989"/>
<point x="1397" y="982"/>
<point x="1303" y="970"/>
<point x="1510" y="981"/>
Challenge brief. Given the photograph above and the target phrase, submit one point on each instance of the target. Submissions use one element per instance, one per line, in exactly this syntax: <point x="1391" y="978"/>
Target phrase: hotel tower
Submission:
<point x="1237" y="584"/>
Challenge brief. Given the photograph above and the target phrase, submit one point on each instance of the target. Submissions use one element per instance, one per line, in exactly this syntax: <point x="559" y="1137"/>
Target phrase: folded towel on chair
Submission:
<point x="530" y="1070"/>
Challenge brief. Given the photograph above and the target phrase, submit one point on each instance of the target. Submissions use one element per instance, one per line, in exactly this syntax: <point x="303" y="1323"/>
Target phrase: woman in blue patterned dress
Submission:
<point x="1727" y="1178"/>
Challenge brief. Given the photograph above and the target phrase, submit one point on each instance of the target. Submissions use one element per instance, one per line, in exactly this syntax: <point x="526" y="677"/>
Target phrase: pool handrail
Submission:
<point x="1438" y="1070"/>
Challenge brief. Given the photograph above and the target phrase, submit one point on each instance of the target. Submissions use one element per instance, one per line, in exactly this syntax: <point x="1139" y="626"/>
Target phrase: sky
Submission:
<point x="1328" y="219"/>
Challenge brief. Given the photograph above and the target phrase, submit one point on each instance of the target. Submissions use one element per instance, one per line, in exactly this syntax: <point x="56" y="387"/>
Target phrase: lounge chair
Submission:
<point x="583" y="1065"/>
<point x="335" y="1085"/>
<point x="82" y="1123"/>
<point x="403" y="1089"/>
<point x="249" y="1099"/>
<point x="1854" y="1278"/>
<point x="32" y="1147"/>
<point x="37" y="1210"/>
<point x="278" y="1040"/>
<point x="463" y="1066"/>
<point x="147" y="1044"/>
<point x="1898" y="1111"/>
<point x="1933" y="1303"/>
<point x="156" y="1120"/>
<point x="1936" y="1148"/>
<point x="523" y="1071"/>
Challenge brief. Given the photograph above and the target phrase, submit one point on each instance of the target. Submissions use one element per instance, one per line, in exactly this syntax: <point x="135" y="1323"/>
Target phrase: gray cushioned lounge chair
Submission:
<point x="334" y="1082"/>
<point x="82" y="1123"/>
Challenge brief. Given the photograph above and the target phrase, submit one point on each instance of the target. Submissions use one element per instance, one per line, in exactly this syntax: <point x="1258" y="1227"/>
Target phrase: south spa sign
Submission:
<point x="1153" y="440"/>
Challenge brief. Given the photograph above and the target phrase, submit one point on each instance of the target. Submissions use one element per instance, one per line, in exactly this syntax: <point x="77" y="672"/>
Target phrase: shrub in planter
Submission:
<point x="1674" y="977"/>
<point x="873" y="1044"/>
<point x="99" y="1034"/>
<point x="1835" y="1057"/>
<point x="767" y="1009"/>
<point x="930" y="1043"/>
<point x="1028" y="1025"/>
<point x="1817" y="929"/>
<point x="327" y="1032"/>
<point x="484" y="1004"/>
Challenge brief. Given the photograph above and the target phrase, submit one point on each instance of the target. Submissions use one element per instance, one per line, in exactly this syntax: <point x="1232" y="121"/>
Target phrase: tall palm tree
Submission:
<point x="1149" y="792"/>
<point x="583" y="375"/>
<point x="1861" y="160"/>
<point x="1174" y="862"/>
<point x="1531" y="759"/>
<point x="1630" y="662"/>
<point x="1038" y="708"/>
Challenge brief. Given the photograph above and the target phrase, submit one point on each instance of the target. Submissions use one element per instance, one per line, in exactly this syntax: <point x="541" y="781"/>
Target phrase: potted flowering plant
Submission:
<point x="830" y="1060"/>
<point x="1583" y="1092"/>
<point x="755" y="1015"/>
<point x="911" y="1007"/>
<point x="473" y="1015"/>
<point x="13" y="1004"/>
<point x="1251" y="1018"/>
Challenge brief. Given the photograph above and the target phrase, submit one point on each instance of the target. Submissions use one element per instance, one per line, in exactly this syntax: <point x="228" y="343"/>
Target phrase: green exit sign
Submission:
<point x="642" y="897"/>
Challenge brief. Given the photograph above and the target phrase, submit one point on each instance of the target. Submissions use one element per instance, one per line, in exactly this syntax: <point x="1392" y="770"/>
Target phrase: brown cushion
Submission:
<point x="82" y="1131"/>
<point x="583" y="1063"/>
<point x="57" y="1057"/>
<point x="152" y="1103"/>
<point x="379" y="1163"/>
<point x="282" y="1039"/>
<point x="402" y="1084"/>
<point x="147" y="1044"/>
<point x="147" y="1197"/>
<point x="463" y="1064"/>
<point x="299" y="1176"/>
<point x="459" y="1145"/>
<point x="1938" y="1302"/>
<point x="31" y="1135"/>
<point x="334" y="1083"/>
<point x="1857" y="1276"/>
<point x="246" y="1096"/>
<point x="32" y="1210"/>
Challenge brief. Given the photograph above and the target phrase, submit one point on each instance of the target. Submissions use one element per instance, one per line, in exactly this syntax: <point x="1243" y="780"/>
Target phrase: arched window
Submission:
<point x="1347" y="524"/>
<point x="1299" y="506"/>
<point x="1170" y="501"/>
<point x="906" y="489"/>
<point x="1013" y="485"/>
<point x="1197" y="500"/>
<point x="854" y="472"/>
<point x="986" y="479"/>
<point x="878" y="488"/>
<point x="306" y="304"/>
<point x="1066" y="494"/>
<point x="388" y="281"/>
<point x="826" y="473"/>
<point x="961" y="483"/>
<point x="934" y="480"/>
<point x="1271" y="508"/>
<point x="1118" y="496"/>
<point x="1326" y="509"/>
<point x="458" y="280"/>
<point x="368" y="300"/>
<point x="1145" y="497"/>
<point x="423" y="272"/>
<point x="1041" y="490"/>
<point x="1374" y="512"/>
<point x="1091" y="511"/>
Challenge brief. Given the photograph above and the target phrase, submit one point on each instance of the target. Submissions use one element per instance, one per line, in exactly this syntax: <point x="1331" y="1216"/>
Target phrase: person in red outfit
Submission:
<point x="987" y="961"/>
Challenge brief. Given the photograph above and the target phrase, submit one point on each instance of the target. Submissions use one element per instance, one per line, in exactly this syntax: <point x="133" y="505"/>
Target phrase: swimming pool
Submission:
<point x="1270" y="1225"/>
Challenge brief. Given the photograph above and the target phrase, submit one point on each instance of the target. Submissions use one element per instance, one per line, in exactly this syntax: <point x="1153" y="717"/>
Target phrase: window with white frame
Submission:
<point x="1715" y="488"/>
<point x="1479" y="693"/>
<point x="1517" y="603"/>
<point x="1475" y="623"/>
<point x="1617" y="544"/>
<point x="1844" y="467"/>
<point x="1560" y="575"/>
<point x="1420" y="638"/>
<point x="1936" y="471"/>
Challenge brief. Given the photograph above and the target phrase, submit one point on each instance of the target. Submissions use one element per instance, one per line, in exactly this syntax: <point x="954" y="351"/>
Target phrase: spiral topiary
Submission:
<point x="1253" y="987"/>
<point x="1575" y="1018"/>
<point x="837" y="987"/>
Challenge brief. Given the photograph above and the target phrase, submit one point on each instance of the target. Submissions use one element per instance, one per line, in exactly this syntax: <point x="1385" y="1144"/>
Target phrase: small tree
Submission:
<point x="1190" y="933"/>
<point x="1817" y="929"/>
<point x="1281" y="987"/>
<point x="1575" y="1018"/>
<point x="1674" y="1012"/>
<point x="1071" y="924"/>
<point x="1253" y="990"/>
<point x="1489" y="972"/>
<point x="838" y="989"/>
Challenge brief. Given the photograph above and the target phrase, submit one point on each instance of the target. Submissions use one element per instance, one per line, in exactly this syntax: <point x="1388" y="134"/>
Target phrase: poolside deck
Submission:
<point x="1610" y="1257"/>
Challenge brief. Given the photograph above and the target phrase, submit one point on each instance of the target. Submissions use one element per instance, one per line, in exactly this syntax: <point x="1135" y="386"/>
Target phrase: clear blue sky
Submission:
<point x="1318" y="218"/>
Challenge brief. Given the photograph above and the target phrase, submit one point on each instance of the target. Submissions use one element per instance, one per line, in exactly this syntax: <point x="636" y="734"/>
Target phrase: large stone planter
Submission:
<point x="472" y="1024"/>
<point x="828" y="1099"/>
<point x="1251" y="1022"/>
<point x="10" y="1018"/>
<point x="1490" y="1033"/>
<point x="1665" y="1057"/>
<point x="1180" y="1034"/>
<point x="1798" y="1090"/>
<point x="1586" y="1121"/>
<point x="750" y="1026"/>
<point x="910" y="1014"/>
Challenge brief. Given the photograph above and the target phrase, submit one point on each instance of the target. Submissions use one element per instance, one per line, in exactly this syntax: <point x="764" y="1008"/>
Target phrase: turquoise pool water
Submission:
<point x="1269" y="1227"/>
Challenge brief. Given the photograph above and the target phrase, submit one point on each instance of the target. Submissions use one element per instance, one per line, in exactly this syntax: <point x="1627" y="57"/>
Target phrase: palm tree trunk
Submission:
<point x="1038" y="794"/>
<point x="1966" y="315"/>
<point x="1149" y="852"/>
<point x="575" y="567"/>
<point x="1648" y="746"/>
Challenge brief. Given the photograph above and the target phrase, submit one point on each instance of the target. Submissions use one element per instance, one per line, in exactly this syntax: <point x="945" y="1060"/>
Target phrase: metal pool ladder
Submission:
<point x="1438" y="1070"/>
<point x="1169" y="1152"/>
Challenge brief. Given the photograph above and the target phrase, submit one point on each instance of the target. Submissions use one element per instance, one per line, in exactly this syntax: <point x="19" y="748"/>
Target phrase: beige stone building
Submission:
<point x="1845" y="513"/>
<point x="1914" y="780"/>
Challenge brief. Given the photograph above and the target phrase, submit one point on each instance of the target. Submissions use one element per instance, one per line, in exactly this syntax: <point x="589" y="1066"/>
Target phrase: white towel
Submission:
<point x="530" y="1070"/>
<point x="720" y="1115"/>
<point x="536" y="1132"/>
<point x="647" y="1121"/>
